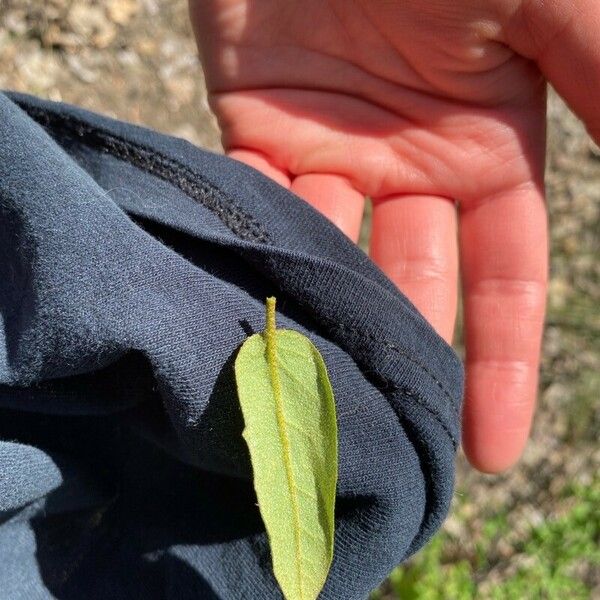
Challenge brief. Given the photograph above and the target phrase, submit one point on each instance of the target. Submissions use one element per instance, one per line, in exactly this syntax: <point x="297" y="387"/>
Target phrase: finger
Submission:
<point x="414" y="242"/>
<point x="504" y="260"/>
<point x="260" y="163"/>
<point x="562" y="37"/>
<point x="333" y="196"/>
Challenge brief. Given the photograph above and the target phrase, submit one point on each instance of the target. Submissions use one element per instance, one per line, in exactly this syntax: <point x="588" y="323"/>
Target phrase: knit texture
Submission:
<point x="132" y="267"/>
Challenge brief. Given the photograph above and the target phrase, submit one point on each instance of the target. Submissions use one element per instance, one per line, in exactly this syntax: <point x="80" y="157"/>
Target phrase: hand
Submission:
<point x="436" y="110"/>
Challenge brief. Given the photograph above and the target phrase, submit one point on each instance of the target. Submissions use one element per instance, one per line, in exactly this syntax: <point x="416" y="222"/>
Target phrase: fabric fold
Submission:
<point x="132" y="266"/>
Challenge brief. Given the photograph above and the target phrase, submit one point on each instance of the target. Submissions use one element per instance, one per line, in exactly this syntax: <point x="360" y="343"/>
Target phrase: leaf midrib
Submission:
<point x="271" y="352"/>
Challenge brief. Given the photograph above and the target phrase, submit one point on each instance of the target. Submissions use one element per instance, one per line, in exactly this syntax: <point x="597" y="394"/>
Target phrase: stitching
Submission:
<point x="336" y="325"/>
<point x="435" y="414"/>
<point x="237" y="220"/>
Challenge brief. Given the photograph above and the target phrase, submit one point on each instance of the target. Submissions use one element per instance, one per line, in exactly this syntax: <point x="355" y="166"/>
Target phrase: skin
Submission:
<point x="437" y="111"/>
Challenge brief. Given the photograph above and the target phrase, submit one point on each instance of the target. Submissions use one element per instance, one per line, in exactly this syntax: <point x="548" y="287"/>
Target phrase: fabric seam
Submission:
<point x="173" y="172"/>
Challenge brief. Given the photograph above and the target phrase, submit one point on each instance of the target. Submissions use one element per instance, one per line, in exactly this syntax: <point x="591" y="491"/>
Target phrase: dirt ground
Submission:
<point x="136" y="60"/>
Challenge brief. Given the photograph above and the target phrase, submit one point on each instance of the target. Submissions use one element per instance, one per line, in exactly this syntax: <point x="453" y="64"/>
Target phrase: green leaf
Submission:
<point x="291" y="432"/>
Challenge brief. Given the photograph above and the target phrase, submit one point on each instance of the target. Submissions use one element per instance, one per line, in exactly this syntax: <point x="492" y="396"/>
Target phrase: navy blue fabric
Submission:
<point x="132" y="267"/>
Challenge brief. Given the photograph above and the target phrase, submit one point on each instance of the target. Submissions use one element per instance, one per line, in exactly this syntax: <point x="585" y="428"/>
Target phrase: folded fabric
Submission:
<point x="132" y="267"/>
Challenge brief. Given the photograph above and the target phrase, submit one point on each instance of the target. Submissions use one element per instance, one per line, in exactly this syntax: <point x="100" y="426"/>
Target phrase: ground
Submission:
<point x="531" y="533"/>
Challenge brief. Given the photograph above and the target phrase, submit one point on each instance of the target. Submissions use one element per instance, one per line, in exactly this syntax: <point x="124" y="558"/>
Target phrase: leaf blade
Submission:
<point x="291" y="431"/>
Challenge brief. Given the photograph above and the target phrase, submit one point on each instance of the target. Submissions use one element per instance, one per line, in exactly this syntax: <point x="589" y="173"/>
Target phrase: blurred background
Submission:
<point x="531" y="533"/>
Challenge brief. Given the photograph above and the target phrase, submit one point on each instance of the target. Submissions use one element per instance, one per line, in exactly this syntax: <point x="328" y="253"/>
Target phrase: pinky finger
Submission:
<point x="260" y="163"/>
<point x="333" y="196"/>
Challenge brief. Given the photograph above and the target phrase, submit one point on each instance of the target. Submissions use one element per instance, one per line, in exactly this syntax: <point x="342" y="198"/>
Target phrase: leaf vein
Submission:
<point x="310" y="534"/>
<point x="298" y="428"/>
<point x="308" y="494"/>
<point x="297" y="381"/>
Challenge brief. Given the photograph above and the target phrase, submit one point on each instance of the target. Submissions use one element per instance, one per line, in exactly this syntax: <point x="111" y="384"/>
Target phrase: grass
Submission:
<point x="548" y="560"/>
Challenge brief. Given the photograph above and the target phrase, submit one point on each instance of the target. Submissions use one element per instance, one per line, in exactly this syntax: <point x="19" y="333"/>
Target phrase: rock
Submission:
<point x="80" y="70"/>
<point x="38" y="69"/>
<point x="122" y="11"/>
<point x="15" y="22"/>
<point x="91" y="24"/>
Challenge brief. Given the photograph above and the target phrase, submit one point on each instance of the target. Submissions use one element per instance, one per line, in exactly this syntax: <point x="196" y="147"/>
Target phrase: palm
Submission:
<point x="417" y="109"/>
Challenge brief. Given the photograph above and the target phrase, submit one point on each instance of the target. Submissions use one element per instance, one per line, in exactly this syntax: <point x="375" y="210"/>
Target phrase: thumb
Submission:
<point x="562" y="38"/>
